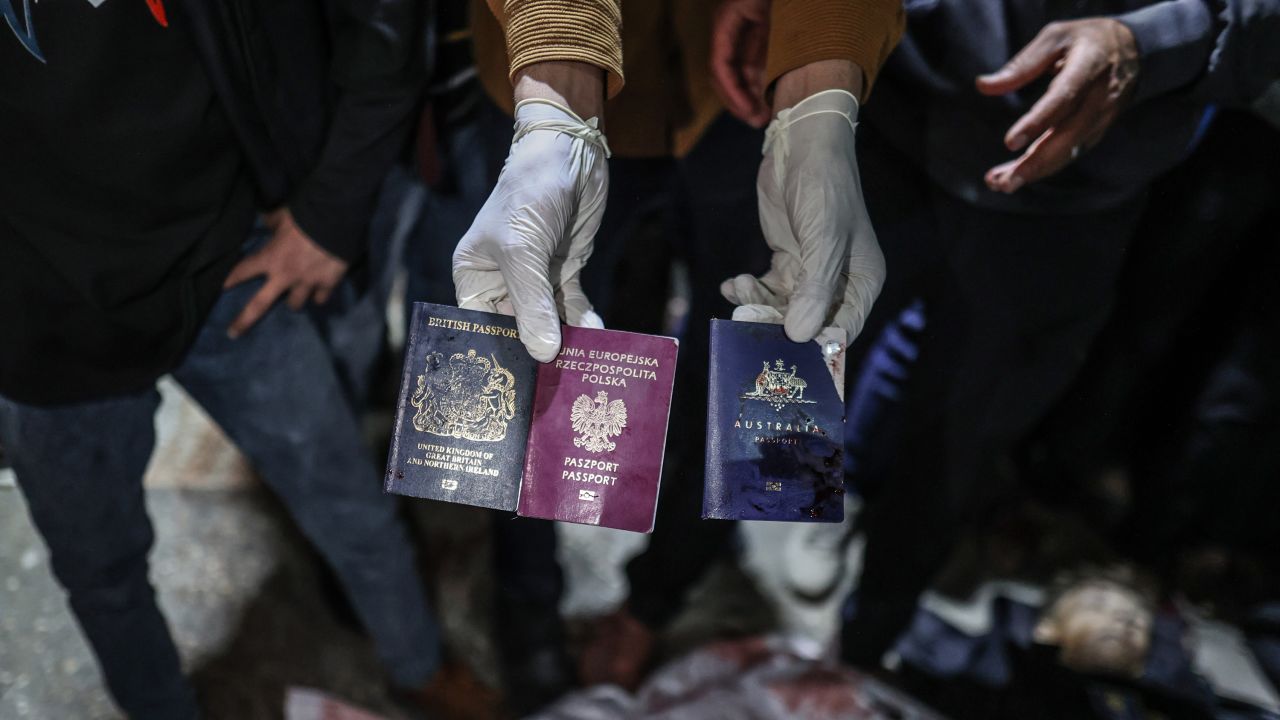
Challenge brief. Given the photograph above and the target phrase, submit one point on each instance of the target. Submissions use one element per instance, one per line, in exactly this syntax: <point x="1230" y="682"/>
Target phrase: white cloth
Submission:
<point x="827" y="268"/>
<point x="529" y="242"/>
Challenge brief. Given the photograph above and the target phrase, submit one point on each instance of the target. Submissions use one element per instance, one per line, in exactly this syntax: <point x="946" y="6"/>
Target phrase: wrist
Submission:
<point x="576" y="85"/>
<point x="796" y="85"/>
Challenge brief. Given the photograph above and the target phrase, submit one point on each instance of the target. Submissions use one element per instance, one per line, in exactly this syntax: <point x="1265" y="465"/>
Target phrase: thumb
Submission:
<point x="576" y="308"/>
<point x="758" y="313"/>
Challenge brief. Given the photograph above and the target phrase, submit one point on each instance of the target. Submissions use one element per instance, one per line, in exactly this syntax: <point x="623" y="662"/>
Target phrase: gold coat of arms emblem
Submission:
<point x="470" y="397"/>
<point x="779" y="387"/>
<point x="596" y="421"/>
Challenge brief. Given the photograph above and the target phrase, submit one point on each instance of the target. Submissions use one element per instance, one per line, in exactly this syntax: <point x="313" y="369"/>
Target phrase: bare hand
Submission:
<point x="1096" y="66"/>
<point x="739" y="39"/>
<point x="292" y="263"/>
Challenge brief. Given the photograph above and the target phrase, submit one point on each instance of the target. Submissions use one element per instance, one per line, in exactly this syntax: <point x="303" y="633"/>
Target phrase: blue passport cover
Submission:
<point x="462" y="420"/>
<point x="775" y="426"/>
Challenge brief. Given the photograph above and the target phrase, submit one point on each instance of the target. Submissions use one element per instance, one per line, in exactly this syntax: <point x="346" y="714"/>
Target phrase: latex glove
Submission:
<point x="827" y="268"/>
<point x="529" y="242"/>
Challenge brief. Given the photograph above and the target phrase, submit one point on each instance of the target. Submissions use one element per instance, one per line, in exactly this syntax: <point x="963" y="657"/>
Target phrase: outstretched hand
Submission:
<point x="1095" y="64"/>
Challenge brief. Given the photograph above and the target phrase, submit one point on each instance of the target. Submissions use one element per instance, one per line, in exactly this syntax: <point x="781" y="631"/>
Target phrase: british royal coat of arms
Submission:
<point x="779" y="387"/>
<point x="471" y="397"/>
<point x="596" y="421"/>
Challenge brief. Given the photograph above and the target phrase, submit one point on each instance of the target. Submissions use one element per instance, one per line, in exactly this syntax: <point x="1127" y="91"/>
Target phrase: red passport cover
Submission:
<point x="599" y="430"/>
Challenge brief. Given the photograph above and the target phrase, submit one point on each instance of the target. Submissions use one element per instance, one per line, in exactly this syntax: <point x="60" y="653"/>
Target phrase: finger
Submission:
<point x="1064" y="96"/>
<point x="524" y="272"/>
<point x="754" y="55"/>
<point x="1028" y="64"/>
<point x="727" y="68"/>
<point x="749" y="290"/>
<point x="1050" y="153"/>
<point x="322" y="294"/>
<point x="575" y="308"/>
<point x="248" y="268"/>
<point x="257" y="306"/>
<point x="862" y="284"/>
<point x="298" y="297"/>
<point x="758" y="313"/>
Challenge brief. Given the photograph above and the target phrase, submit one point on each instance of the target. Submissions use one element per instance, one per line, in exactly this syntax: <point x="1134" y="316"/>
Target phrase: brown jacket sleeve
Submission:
<point x="587" y="31"/>
<point x="805" y="31"/>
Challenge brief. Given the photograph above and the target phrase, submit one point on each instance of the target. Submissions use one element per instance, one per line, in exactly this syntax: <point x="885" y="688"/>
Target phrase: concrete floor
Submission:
<point x="254" y="613"/>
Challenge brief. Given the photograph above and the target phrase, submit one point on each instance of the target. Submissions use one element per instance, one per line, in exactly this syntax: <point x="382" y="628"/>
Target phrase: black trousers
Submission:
<point x="1014" y="303"/>
<point x="714" y="222"/>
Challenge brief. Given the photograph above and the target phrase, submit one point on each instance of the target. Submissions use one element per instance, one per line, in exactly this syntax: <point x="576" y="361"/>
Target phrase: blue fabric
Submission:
<point x="874" y="401"/>
<point x="1174" y="40"/>
<point x="941" y="650"/>
<point x="275" y="393"/>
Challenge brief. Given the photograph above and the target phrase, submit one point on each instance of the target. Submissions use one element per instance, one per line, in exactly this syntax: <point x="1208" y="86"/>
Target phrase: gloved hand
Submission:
<point x="827" y="268"/>
<point x="529" y="242"/>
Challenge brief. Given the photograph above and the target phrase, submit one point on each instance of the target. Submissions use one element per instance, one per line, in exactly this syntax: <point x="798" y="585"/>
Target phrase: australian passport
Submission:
<point x="462" y="420"/>
<point x="775" y="425"/>
<point x="599" y="430"/>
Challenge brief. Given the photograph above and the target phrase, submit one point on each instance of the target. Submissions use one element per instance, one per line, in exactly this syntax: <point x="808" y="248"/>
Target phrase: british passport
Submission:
<point x="462" y="420"/>
<point x="775" y="425"/>
<point x="599" y="429"/>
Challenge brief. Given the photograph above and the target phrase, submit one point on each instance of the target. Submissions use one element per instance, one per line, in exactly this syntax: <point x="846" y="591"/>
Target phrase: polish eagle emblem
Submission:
<point x="470" y="397"/>
<point x="596" y="421"/>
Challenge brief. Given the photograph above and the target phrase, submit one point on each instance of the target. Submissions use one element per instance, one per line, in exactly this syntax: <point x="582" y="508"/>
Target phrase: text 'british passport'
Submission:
<point x="599" y="430"/>
<point x="775" y="425"/>
<point x="462" y="420"/>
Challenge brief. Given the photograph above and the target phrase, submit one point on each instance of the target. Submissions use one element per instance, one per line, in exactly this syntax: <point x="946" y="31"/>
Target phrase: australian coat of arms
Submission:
<point x="472" y="397"/>
<point x="779" y="387"/>
<point x="596" y="421"/>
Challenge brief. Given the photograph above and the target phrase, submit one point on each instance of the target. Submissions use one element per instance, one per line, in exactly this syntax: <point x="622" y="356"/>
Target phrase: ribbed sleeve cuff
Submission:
<point x="806" y="31"/>
<point x="1174" y="39"/>
<point x="587" y="31"/>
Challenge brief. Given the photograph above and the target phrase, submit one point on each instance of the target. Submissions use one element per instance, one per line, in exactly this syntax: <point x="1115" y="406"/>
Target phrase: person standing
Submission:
<point x="141" y="139"/>
<point x="1005" y="205"/>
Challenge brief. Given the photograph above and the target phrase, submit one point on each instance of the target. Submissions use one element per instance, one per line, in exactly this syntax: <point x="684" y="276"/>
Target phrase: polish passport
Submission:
<point x="599" y="430"/>
<point x="462" y="420"/>
<point x="775" y="425"/>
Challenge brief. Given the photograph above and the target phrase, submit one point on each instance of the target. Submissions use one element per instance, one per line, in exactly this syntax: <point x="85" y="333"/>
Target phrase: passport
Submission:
<point x="775" y="425"/>
<point x="599" y="429"/>
<point x="462" y="419"/>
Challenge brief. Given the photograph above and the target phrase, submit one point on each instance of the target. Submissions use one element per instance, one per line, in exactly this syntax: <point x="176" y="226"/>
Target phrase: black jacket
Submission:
<point x="317" y="95"/>
<point x="321" y="95"/>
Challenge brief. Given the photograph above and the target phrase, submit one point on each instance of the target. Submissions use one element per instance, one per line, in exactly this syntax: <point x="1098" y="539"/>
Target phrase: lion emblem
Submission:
<point x="471" y="397"/>
<point x="596" y="421"/>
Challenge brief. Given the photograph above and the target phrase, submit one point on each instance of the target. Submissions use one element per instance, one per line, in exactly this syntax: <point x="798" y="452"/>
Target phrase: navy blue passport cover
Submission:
<point x="462" y="419"/>
<point x="775" y="427"/>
